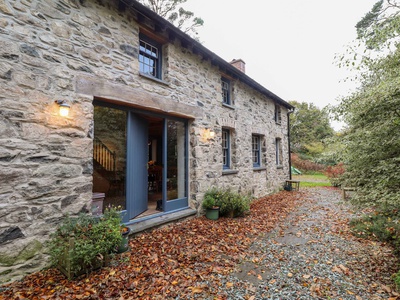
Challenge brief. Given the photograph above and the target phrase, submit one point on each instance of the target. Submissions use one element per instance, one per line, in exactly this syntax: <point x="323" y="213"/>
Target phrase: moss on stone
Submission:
<point x="8" y="271"/>
<point x="27" y="253"/>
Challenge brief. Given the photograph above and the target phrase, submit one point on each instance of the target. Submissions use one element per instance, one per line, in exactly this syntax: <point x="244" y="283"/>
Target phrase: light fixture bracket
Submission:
<point x="64" y="107"/>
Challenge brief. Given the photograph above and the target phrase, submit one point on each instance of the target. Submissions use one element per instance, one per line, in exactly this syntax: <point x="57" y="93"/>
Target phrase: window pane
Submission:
<point x="225" y="91"/>
<point x="278" y="116"/>
<point x="148" y="49"/>
<point x="109" y="155"/>
<point x="149" y="59"/>
<point x="256" y="150"/>
<point x="225" y="148"/>
<point x="278" y="151"/>
<point x="176" y="169"/>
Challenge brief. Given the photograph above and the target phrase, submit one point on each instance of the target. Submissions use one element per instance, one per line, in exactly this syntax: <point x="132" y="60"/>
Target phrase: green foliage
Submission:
<point x="369" y="20"/>
<point x="85" y="239"/>
<point x="210" y="199"/>
<point x="314" y="148"/>
<point x="372" y="140"/>
<point x="231" y="204"/>
<point x="396" y="279"/>
<point x="176" y="14"/>
<point x="332" y="153"/>
<point x="381" y="226"/>
<point x="381" y="25"/>
<point x="309" y="127"/>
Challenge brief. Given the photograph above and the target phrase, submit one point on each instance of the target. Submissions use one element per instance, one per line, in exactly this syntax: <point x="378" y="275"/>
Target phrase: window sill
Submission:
<point x="229" y="172"/>
<point x="153" y="78"/>
<point x="279" y="167"/>
<point x="228" y="106"/>
<point x="255" y="169"/>
<point x="278" y="123"/>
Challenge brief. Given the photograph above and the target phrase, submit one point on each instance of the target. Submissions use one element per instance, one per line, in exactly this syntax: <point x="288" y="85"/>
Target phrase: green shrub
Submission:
<point x="231" y="204"/>
<point x="85" y="240"/>
<point x="383" y="226"/>
<point x="211" y="199"/>
<point x="378" y="226"/>
<point x="396" y="278"/>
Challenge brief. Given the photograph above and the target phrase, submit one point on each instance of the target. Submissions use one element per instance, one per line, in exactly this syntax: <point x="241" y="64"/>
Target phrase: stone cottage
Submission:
<point x="105" y="100"/>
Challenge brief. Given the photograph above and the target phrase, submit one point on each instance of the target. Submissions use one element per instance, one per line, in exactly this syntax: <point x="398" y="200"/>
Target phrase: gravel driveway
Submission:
<point x="312" y="255"/>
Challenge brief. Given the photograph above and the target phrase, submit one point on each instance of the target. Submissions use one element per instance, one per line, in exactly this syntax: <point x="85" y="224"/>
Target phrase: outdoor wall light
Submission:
<point x="208" y="134"/>
<point x="64" y="108"/>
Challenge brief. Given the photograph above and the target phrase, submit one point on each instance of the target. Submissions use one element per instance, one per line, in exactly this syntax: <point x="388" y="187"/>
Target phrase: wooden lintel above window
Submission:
<point x="225" y="75"/>
<point x="152" y="35"/>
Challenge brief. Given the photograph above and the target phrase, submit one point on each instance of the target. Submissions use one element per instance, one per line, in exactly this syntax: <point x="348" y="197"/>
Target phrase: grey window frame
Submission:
<point x="226" y="91"/>
<point x="147" y="47"/>
<point x="278" y="114"/>
<point x="226" y="148"/>
<point x="278" y="151"/>
<point x="256" y="151"/>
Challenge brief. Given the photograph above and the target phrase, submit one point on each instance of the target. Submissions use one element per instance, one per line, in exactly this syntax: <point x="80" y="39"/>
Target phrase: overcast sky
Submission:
<point x="288" y="45"/>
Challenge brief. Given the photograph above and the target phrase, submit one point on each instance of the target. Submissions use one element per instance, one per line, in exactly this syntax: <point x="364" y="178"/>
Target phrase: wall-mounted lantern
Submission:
<point x="208" y="134"/>
<point x="64" y="108"/>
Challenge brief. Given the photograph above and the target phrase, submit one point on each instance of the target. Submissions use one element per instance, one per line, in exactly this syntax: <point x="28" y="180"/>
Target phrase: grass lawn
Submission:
<point x="312" y="180"/>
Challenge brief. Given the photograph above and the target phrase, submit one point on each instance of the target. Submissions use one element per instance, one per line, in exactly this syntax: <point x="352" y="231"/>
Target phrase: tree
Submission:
<point x="372" y="140"/>
<point x="309" y="127"/>
<point x="176" y="14"/>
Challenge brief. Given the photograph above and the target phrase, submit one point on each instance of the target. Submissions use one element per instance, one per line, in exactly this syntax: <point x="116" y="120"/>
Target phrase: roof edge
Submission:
<point x="202" y="50"/>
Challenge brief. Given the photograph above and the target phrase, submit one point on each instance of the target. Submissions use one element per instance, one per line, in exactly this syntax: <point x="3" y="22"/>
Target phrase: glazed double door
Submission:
<point x="138" y="140"/>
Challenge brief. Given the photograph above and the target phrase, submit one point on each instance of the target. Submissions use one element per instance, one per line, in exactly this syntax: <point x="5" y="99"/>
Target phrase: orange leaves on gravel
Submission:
<point x="168" y="262"/>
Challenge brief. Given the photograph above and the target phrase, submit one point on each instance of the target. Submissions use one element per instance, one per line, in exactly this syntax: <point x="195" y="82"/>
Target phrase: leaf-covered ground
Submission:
<point x="289" y="247"/>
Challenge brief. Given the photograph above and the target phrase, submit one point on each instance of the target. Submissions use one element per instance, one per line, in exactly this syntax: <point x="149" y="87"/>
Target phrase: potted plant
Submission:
<point x="123" y="245"/>
<point x="85" y="243"/>
<point x="233" y="204"/>
<point x="211" y="206"/>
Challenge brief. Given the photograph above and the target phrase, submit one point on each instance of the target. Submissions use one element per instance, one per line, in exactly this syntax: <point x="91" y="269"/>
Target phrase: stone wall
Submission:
<point x="46" y="48"/>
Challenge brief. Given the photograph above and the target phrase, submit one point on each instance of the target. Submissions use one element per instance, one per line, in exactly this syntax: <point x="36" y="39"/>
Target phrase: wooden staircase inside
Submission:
<point x="105" y="175"/>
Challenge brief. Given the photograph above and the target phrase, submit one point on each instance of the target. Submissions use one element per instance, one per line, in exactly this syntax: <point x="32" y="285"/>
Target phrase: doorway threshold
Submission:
<point x="139" y="225"/>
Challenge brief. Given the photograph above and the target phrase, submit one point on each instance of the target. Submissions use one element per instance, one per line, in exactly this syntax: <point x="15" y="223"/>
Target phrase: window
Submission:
<point x="149" y="57"/>
<point x="256" y="146"/>
<point x="226" y="148"/>
<point x="277" y="117"/>
<point x="226" y="91"/>
<point x="278" y="150"/>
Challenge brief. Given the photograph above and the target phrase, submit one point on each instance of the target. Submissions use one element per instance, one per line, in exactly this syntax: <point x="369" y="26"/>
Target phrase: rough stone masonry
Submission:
<point x="47" y="47"/>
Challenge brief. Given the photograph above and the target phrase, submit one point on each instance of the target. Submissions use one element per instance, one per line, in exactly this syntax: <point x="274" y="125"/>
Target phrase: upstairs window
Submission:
<point x="278" y="116"/>
<point x="226" y="91"/>
<point x="149" y="57"/>
<point x="226" y="148"/>
<point x="256" y="150"/>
